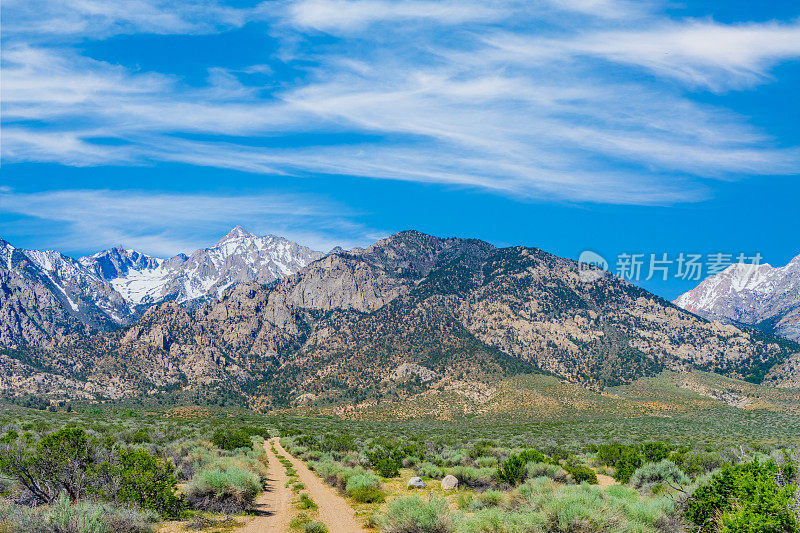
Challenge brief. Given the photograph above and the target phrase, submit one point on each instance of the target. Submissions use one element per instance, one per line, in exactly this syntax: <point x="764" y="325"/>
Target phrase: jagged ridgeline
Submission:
<point x="409" y="314"/>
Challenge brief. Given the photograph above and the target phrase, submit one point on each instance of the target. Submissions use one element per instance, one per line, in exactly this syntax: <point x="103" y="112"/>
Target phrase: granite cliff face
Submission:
<point x="414" y="311"/>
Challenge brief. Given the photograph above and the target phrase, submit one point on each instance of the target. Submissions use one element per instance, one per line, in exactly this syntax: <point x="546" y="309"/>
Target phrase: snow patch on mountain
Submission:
<point x="142" y="286"/>
<point x="6" y="253"/>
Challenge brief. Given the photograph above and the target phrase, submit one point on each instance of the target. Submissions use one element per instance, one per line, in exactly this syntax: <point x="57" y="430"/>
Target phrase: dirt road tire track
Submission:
<point x="334" y="510"/>
<point x="274" y="506"/>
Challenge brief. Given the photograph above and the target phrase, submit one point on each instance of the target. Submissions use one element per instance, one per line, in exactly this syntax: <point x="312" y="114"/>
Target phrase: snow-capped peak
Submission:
<point x="239" y="256"/>
<point x="750" y="294"/>
<point x="238" y="232"/>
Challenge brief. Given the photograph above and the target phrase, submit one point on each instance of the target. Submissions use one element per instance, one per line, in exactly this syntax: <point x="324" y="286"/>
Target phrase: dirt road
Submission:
<point x="334" y="510"/>
<point x="274" y="506"/>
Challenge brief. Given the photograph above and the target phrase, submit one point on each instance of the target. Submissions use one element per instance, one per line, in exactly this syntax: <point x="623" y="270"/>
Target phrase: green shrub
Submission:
<point x="486" y="500"/>
<point x="387" y="468"/>
<point x="140" y="436"/>
<point x="512" y="471"/>
<point x="64" y="516"/>
<point x="486" y="462"/>
<point x="582" y="474"/>
<point x="328" y="470"/>
<point x="314" y="527"/>
<point x="299" y="521"/>
<point x="573" y="508"/>
<point x="451" y="459"/>
<point x="147" y="481"/>
<point x="497" y="520"/>
<point x="695" y="463"/>
<point x="533" y="456"/>
<point x="626" y="458"/>
<point x="337" y="443"/>
<point x="78" y="463"/>
<point x="475" y="477"/>
<point x="609" y="454"/>
<point x="745" y="498"/>
<point x="231" y="440"/>
<point x="411" y="514"/>
<point x="249" y="461"/>
<point x="429" y="470"/>
<point x="654" y="452"/>
<point x="626" y="465"/>
<point x="364" y="488"/>
<point x="555" y="472"/>
<point x="60" y="461"/>
<point x="226" y="491"/>
<point x="465" y="500"/>
<point x="480" y="448"/>
<point x="305" y="502"/>
<point x="664" y="471"/>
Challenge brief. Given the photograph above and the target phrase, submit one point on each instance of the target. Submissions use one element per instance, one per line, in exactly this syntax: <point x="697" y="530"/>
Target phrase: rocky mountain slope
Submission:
<point x="759" y="295"/>
<point x="46" y="296"/>
<point x="410" y="313"/>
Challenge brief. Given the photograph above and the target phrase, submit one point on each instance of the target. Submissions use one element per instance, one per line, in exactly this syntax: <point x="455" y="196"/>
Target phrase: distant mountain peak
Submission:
<point x="238" y="232"/>
<point x="239" y="256"/>
<point x="751" y="294"/>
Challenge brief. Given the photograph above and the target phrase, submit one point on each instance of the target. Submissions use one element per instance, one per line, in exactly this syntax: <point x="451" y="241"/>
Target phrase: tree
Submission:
<point x="76" y="463"/>
<point x="58" y="462"/>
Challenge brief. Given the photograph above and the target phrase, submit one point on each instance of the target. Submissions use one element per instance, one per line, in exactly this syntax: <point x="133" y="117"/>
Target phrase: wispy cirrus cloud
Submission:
<point x="697" y="52"/>
<point x="43" y="20"/>
<point x="348" y="15"/>
<point x="164" y="223"/>
<point x="504" y="96"/>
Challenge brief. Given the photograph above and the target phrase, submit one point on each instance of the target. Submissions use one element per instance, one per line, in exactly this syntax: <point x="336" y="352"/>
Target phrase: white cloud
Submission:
<point x="605" y="9"/>
<point x="39" y="20"/>
<point x="163" y="224"/>
<point x="346" y="15"/>
<point x="703" y="52"/>
<point x="522" y="112"/>
<point x="696" y="52"/>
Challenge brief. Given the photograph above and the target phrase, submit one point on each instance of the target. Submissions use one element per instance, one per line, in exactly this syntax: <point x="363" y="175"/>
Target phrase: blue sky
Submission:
<point x="639" y="127"/>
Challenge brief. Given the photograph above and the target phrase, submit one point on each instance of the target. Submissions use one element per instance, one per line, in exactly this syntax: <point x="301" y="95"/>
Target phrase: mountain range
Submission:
<point x="410" y="313"/>
<point x="47" y="295"/>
